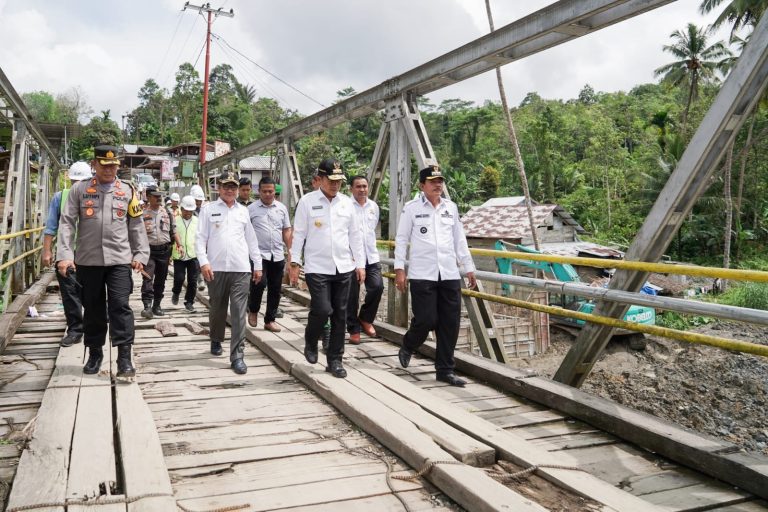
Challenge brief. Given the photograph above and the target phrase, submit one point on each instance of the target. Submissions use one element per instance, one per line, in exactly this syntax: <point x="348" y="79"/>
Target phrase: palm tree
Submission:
<point x="697" y="63"/>
<point x="245" y="93"/>
<point x="739" y="12"/>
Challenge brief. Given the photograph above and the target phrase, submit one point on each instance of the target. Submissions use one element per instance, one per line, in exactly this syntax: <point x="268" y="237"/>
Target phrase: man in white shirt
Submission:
<point x="225" y="242"/>
<point x="272" y="224"/>
<point x="367" y="213"/>
<point x="431" y="225"/>
<point x="326" y="230"/>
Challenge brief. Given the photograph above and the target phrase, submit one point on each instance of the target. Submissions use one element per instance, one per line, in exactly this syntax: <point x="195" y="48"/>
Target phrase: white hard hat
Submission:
<point x="188" y="203"/>
<point x="79" y="171"/>
<point x="197" y="192"/>
<point x="175" y="197"/>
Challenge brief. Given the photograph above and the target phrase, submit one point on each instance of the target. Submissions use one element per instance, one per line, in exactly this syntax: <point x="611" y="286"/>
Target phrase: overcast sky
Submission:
<point x="109" y="48"/>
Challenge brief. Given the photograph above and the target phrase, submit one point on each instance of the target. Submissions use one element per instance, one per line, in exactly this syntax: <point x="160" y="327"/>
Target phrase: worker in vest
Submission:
<point x="174" y="207"/>
<point x="161" y="233"/>
<point x="102" y="219"/>
<point x="69" y="289"/>
<point x="184" y="255"/>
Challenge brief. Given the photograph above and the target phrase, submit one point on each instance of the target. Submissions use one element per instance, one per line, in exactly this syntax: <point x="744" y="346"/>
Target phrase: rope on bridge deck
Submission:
<point x="426" y="468"/>
<point x="113" y="501"/>
<point x="529" y="471"/>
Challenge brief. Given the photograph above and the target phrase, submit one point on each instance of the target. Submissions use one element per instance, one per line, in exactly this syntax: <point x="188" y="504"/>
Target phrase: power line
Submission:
<point x="178" y="57"/>
<point x="237" y="60"/>
<point x="170" y="44"/>
<point x="269" y="72"/>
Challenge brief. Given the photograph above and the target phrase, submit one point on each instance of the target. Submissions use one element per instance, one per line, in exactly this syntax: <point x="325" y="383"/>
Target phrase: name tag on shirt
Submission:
<point x="317" y="211"/>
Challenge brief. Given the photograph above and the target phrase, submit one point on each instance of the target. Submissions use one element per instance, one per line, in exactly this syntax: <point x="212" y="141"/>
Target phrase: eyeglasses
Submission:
<point x="229" y="186"/>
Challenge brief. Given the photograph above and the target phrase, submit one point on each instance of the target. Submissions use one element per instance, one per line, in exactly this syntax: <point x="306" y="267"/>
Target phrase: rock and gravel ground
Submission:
<point x="710" y="390"/>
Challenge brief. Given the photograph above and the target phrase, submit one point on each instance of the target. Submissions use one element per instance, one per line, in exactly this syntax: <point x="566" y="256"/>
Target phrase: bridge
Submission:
<point x="190" y="435"/>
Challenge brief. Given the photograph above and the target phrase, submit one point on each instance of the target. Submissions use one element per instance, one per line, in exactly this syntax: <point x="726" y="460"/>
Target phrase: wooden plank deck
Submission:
<point x="287" y="436"/>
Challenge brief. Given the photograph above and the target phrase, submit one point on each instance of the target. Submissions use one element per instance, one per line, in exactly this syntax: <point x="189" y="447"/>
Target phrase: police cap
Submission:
<point x="106" y="155"/>
<point x="152" y="191"/>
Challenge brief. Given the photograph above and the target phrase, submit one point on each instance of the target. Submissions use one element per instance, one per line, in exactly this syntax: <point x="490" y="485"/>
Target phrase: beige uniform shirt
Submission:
<point x="106" y="234"/>
<point x="158" y="224"/>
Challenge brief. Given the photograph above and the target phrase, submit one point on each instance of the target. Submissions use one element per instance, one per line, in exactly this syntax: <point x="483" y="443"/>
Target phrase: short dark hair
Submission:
<point x="266" y="180"/>
<point x="244" y="181"/>
<point x="357" y="177"/>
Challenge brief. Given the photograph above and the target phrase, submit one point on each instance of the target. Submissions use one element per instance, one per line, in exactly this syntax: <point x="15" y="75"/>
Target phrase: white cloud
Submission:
<point x="110" y="48"/>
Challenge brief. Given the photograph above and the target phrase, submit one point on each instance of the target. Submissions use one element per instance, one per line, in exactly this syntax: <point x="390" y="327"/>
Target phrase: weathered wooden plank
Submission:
<point x="313" y="493"/>
<point x="696" y="497"/>
<point x="416" y="501"/>
<point x="43" y="468"/>
<point x="515" y="449"/>
<point x="705" y="454"/>
<point x="15" y="312"/>
<point x="463" y="447"/>
<point x="250" y="454"/>
<point x="276" y="473"/>
<point x="142" y="459"/>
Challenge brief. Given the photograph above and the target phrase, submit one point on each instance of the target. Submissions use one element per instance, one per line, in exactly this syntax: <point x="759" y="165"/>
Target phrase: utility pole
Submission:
<point x="217" y="12"/>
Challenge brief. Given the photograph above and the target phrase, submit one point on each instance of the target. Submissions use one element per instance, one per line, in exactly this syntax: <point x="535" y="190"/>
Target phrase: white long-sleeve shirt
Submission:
<point x="437" y="241"/>
<point x="328" y="233"/>
<point x="226" y="239"/>
<point x="368" y="218"/>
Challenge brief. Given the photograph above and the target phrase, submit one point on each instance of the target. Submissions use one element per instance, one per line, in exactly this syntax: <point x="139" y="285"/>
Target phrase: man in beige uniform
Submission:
<point x="105" y="216"/>
<point x="160" y="233"/>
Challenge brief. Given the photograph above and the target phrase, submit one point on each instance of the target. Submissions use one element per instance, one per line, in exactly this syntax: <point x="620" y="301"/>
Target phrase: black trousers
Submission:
<point x="436" y="306"/>
<point x="374" y="287"/>
<point x="111" y="286"/>
<point x="272" y="280"/>
<point x="329" y="295"/>
<point x="189" y="269"/>
<point x="69" y="289"/>
<point x="153" y="287"/>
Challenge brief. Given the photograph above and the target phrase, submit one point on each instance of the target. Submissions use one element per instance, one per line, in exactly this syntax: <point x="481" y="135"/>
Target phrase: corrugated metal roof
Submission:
<point x="507" y="201"/>
<point x="511" y="222"/>
<point x="256" y="163"/>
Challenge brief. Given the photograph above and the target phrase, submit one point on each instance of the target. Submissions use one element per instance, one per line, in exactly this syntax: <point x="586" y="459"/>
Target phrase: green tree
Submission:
<point x="489" y="182"/>
<point x="696" y="62"/>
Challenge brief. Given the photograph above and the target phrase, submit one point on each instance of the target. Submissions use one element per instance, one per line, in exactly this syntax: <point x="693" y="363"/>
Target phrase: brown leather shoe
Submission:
<point x="272" y="327"/>
<point x="354" y="338"/>
<point x="253" y="319"/>
<point x="368" y="328"/>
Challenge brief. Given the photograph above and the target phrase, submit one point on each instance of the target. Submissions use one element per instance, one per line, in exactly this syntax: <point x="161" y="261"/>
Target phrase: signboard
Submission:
<point x="166" y="171"/>
<point x="188" y="169"/>
<point x="221" y="148"/>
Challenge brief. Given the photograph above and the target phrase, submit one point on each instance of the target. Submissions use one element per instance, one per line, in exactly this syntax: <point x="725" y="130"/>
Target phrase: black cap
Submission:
<point x="332" y="169"/>
<point x="228" y="177"/>
<point x="152" y="191"/>
<point x="245" y="180"/>
<point x="430" y="173"/>
<point x="106" y="155"/>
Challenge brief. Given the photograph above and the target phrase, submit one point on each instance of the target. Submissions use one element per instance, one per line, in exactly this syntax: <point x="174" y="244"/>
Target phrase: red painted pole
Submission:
<point x="203" y="144"/>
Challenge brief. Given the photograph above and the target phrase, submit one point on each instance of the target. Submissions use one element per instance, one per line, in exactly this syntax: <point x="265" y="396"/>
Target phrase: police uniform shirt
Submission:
<point x="437" y="241"/>
<point x="328" y="232"/>
<point x="269" y="221"/>
<point x="226" y="239"/>
<point x="160" y="226"/>
<point x="368" y="218"/>
<point x="107" y="233"/>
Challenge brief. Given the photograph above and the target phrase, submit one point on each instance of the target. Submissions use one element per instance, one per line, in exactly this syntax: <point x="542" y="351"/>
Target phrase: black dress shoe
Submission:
<point x="336" y="369"/>
<point x="95" y="357"/>
<point x="70" y="339"/>
<point x="404" y="355"/>
<point x="238" y="366"/>
<point x="451" y="379"/>
<point x="310" y="353"/>
<point x="216" y="348"/>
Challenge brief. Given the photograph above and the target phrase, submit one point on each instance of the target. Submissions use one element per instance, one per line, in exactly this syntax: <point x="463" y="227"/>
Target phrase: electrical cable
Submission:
<point x="170" y="44"/>
<point x="236" y="60"/>
<point x="178" y="57"/>
<point x="270" y="73"/>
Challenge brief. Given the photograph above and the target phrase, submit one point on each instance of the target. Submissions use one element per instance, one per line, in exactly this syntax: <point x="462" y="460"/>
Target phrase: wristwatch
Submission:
<point x="294" y="264"/>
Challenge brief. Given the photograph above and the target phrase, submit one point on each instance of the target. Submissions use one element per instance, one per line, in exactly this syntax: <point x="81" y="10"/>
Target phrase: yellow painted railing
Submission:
<point x="20" y="233"/>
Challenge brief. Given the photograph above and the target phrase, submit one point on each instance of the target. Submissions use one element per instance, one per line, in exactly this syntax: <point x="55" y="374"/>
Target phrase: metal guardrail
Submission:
<point x="20" y="257"/>
<point x="756" y="276"/>
<point x="21" y="233"/>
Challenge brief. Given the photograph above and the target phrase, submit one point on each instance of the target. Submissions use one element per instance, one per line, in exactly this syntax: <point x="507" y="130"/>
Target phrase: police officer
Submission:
<point x="326" y="230"/>
<point x="69" y="288"/>
<point x="225" y="242"/>
<point x="431" y="225"/>
<point x="367" y="213"/>
<point x="272" y="224"/>
<point x="161" y="232"/>
<point x="104" y="215"/>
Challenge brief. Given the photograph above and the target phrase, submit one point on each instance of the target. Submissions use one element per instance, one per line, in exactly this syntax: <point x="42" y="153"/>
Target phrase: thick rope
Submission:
<point x="426" y="469"/>
<point x="112" y="501"/>
<point x="529" y="471"/>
